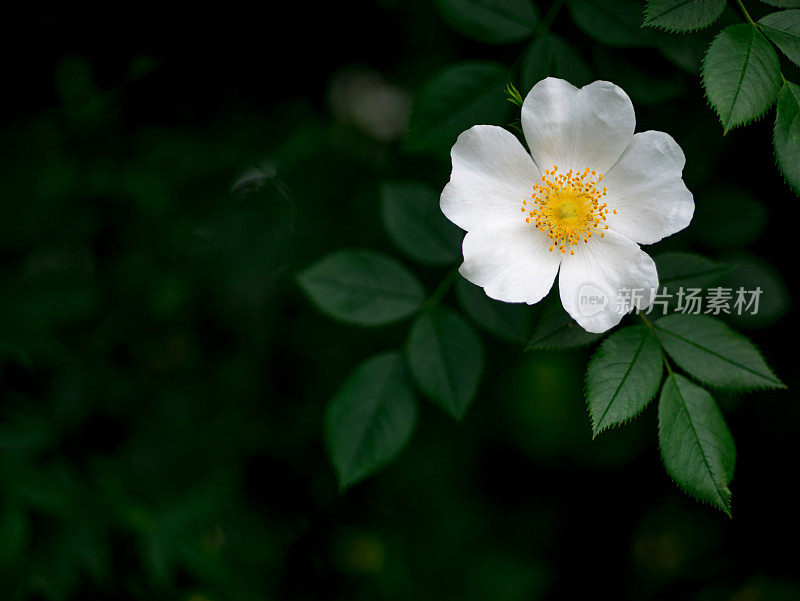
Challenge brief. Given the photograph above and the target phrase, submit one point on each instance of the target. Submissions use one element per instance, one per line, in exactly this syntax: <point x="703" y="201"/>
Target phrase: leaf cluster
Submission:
<point x="741" y="71"/>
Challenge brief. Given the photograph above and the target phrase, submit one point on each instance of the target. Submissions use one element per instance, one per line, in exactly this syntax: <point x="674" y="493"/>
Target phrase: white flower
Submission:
<point x="582" y="201"/>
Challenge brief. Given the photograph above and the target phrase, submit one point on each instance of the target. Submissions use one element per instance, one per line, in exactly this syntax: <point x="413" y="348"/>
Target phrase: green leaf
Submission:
<point x="14" y="535"/>
<point x="362" y="287"/>
<point x="622" y="377"/>
<point x="783" y="3"/>
<point x="454" y="100"/>
<point x="676" y="269"/>
<point x="713" y="353"/>
<point x="551" y="56"/>
<point x="741" y="75"/>
<point x="750" y="272"/>
<point x="371" y="417"/>
<point x="682" y="15"/>
<point x="786" y="137"/>
<point x="491" y="21"/>
<point x="729" y="217"/>
<point x="641" y="84"/>
<point x="685" y="51"/>
<point x="411" y="214"/>
<point x="696" y="446"/>
<point x="446" y="359"/>
<point x="783" y="28"/>
<point x="556" y="330"/>
<point x="508" y="321"/>
<point x="613" y="22"/>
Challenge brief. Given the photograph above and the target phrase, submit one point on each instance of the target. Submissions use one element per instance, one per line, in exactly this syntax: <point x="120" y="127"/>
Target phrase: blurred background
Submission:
<point x="165" y="170"/>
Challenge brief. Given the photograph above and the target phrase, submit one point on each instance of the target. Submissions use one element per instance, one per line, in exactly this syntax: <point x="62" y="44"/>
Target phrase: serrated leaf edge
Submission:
<point x="614" y="425"/>
<point x="649" y="23"/>
<point x="779" y="386"/>
<point x="754" y="118"/>
<point x="726" y="508"/>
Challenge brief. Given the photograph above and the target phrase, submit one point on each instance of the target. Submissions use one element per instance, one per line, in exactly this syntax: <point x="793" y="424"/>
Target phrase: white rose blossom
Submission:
<point x="581" y="202"/>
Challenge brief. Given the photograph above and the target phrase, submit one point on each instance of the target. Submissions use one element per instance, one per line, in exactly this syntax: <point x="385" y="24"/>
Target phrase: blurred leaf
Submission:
<point x="371" y="417"/>
<point x="540" y="397"/>
<point x="504" y="577"/>
<point x="491" y="21"/>
<point x="508" y="321"/>
<point x="362" y="287"/>
<point x="696" y="446"/>
<point x="24" y="433"/>
<point x="783" y="28"/>
<point x="622" y="377"/>
<point x="157" y="556"/>
<point x="750" y="272"/>
<point x="685" y="51"/>
<point x="613" y="22"/>
<point x="786" y="137"/>
<point x="713" y="353"/>
<point x="412" y="216"/>
<point x="729" y="217"/>
<point x="688" y="270"/>
<point x="643" y="86"/>
<point x="454" y="100"/>
<point x="682" y="15"/>
<point x="446" y="359"/>
<point x="14" y="534"/>
<point x="74" y="79"/>
<point x="17" y="353"/>
<point x="551" y="56"/>
<point x="556" y="330"/>
<point x="783" y="3"/>
<point x="741" y="75"/>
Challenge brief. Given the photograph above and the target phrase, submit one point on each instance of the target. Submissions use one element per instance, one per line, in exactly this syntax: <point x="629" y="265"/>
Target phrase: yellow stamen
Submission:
<point x="567" y="207"/>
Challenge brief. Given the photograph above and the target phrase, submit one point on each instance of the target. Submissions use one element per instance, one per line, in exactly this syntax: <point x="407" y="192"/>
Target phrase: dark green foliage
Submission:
<point x="370" y="418"/>
<point x="623" y="377"/>
<point x="551" y="56"/>
<point x="446" y="359"/>
<point x="696" y="446"/>
<point x="168" y="390"/>
<point x="786" y="137"/>
<point x="507" y="321"/>
<point x="783" y="28"/>
<point x="713" y="353"/>
<point x="682" y="15"/>
<point x="362" y="287"/>
<point x="688" y="270"/>
<point x="741" y="75"/>
<point x="491" y="21"/>
<point x="411" y="215"/>
<point x="729" y="217"/>
<point x="454" y="100"/>
<point x="556" y="330"/>
<point x="783" y="3"/>
<point x="613" y="22"/>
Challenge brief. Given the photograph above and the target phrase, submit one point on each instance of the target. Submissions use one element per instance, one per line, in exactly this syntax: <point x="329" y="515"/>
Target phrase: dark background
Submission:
<point x="163" y="379"/>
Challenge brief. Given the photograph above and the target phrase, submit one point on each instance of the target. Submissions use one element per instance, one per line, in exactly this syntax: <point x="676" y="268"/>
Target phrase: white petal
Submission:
<point x="646" y="188"/>
<point x="510" y="262"/>
<point x="605" y="279"/>
<point x="574" y="128"/>
<point x="492" y="175"/>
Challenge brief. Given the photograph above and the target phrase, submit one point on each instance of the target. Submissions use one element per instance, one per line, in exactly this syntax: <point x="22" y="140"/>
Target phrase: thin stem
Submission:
<point x="547" y="21"/>
<point x="442" y="288"/>
<point x="663" y="355"/>
<point x="746" y="14"/>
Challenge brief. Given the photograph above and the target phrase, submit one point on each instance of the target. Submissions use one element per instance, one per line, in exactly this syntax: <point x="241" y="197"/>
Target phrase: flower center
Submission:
<point x="567" y="207"/>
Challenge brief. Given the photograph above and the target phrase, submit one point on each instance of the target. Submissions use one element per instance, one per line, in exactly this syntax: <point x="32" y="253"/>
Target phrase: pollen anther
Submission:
<point x="567" y="207"/>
